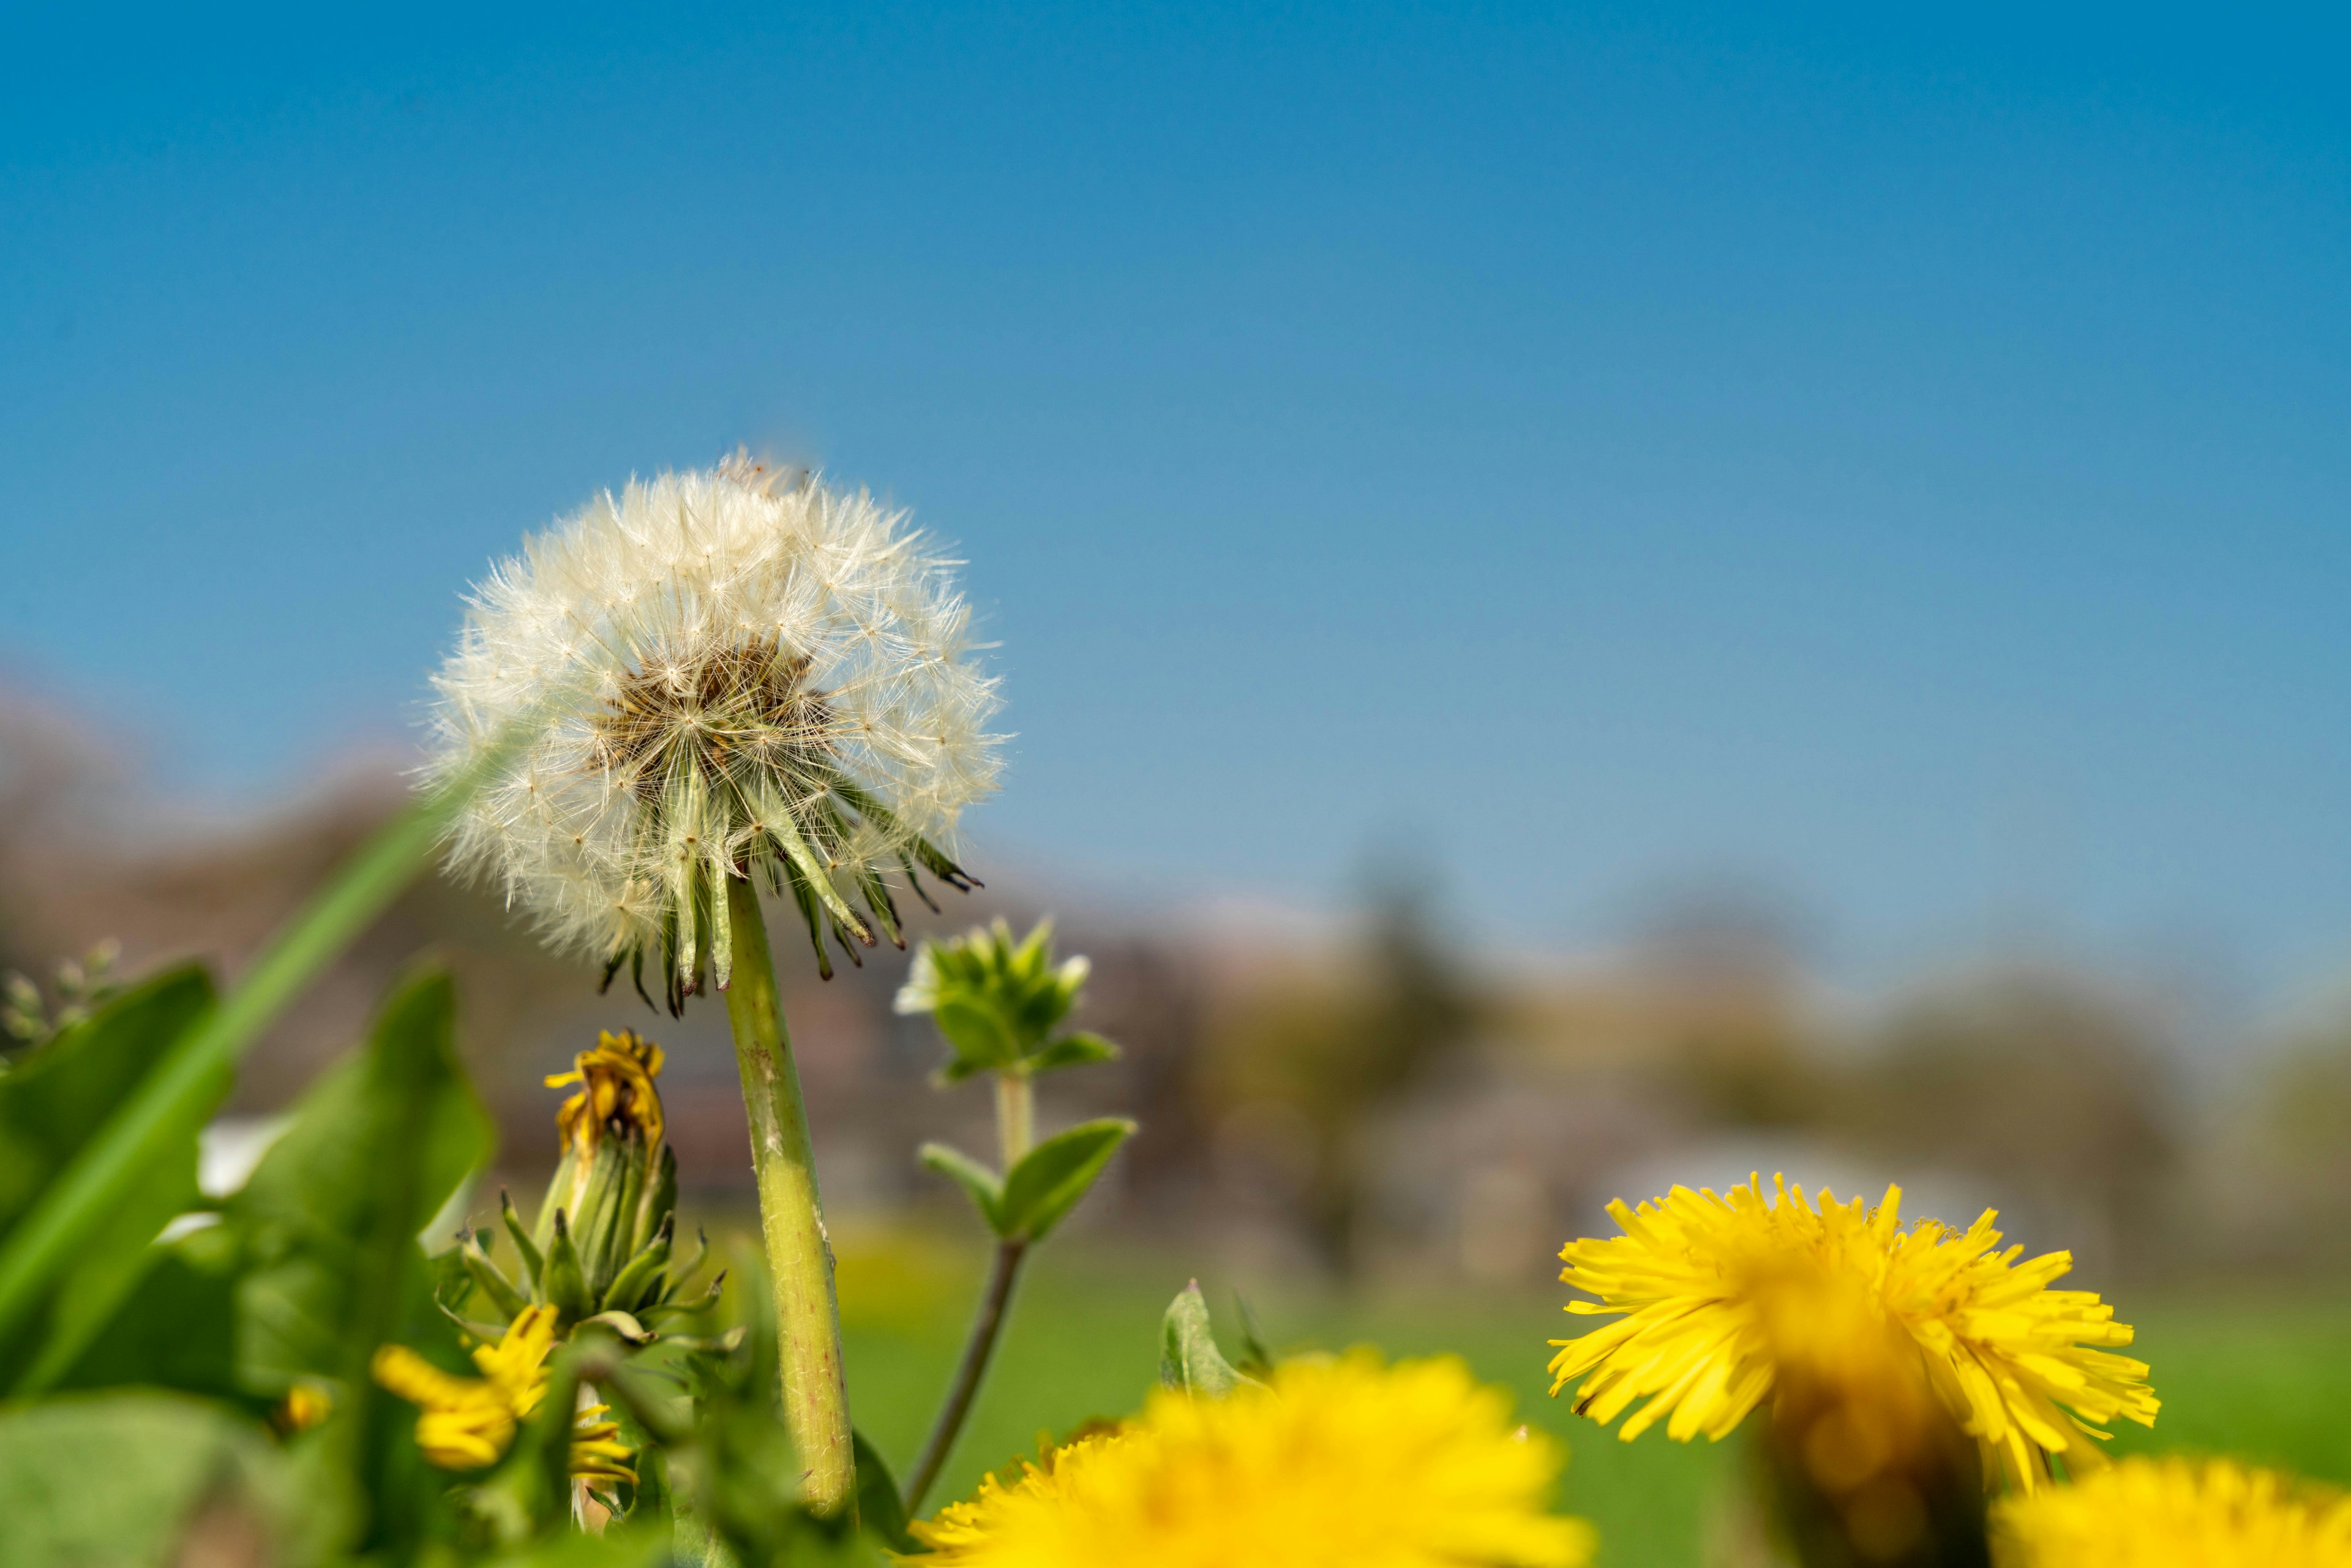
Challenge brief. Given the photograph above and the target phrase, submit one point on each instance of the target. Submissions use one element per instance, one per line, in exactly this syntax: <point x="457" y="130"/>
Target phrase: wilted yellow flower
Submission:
<point x="2177" y="1514"/>
<point x="1346" y="1463"/>
<point x="2015" y="1361"/>
<point x="469" y="1422"/>
<point x="616" y="1079"/>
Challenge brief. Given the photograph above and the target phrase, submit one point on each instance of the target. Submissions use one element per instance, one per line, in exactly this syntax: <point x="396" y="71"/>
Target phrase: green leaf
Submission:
<point x="1188" y="1357"/>
<point x="329" y="1218"/>
<point x="880" y="1513"/>
<point x="105" y="1173"/>
<point x="178" y="1330"/>
<point x="1256" y="1360"/>
<point x="121" y="1477"/>
<point x="1073" y="1051"/>
<point x="51" y="1108"/>
<point x="985" y="1188"/>
<point x="977" y="1032"/>
<point x="1052" y="1177"/>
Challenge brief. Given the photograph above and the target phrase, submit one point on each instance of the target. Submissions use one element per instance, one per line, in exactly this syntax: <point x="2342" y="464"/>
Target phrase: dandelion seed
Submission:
<point x="717" y="667"/>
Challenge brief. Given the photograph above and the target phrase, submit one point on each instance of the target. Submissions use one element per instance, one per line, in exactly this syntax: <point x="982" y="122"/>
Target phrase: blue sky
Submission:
<point x="1897" y="460"/>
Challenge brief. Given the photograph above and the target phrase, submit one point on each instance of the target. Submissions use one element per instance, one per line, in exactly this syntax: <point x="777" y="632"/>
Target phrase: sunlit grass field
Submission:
<point x="2269" y="1378"/>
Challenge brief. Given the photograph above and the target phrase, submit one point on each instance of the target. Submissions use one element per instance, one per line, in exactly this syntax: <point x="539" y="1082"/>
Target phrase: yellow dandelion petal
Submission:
<point x="616" y="1079"/>
<point x="2177" y="1513"/>
<point x="2024" y="1368"/>
<point x="466" y="1423"/>
<point x="1338" y="1462"/>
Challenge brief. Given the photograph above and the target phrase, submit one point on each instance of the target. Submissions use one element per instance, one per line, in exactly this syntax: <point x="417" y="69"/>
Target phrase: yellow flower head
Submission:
<point x="2177" y="1514"/>
<point x="1346" y="1462"/>
<point x="616" y="1081"/>
<point x="1690" y="1277"/>
<point x="468" y="1423"/>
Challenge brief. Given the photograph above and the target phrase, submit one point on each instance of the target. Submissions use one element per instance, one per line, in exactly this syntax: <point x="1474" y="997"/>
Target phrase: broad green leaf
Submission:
<point x="328" y="1219"/>
<point x="1073" y="1051"/>
<point x="118" y="1157"/>
<point x="120" y="1479"/>
<point x="1052" y="1177"/>
<point x="880" y="1512"/>
<point x="50" y="1108"/>
<point x="1188" y="1357"/>
<point x="985" y="1188"/>
<point x="178" y="1329"/>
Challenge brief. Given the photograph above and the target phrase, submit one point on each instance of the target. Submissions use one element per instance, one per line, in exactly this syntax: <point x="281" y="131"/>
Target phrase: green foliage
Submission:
<point x="998" y="1002"/>
<point x="142" y="1131"/>
<point x="328" y="1221"/>
<point x="122" y="1480"/>
<point x="983" y="1185"/>
<point x="1052" y="1177"/>
<point x="51" y="1108"/>
<point x="1188" y="1357"/>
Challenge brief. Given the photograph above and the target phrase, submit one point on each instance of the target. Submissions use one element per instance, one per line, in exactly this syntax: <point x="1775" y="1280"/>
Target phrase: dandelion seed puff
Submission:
<point x="722" y="674"/>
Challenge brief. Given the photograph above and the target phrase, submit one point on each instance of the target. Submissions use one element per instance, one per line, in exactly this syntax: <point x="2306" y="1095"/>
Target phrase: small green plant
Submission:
<point x="999" y="1004"/>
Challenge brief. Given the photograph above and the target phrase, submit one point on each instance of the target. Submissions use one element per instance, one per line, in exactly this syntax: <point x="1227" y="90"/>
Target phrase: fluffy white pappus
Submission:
<point x="715" y="673"/>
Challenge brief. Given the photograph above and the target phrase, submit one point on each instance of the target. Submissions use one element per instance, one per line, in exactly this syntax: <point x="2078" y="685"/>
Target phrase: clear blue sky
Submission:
<point x="1902" y="459"/>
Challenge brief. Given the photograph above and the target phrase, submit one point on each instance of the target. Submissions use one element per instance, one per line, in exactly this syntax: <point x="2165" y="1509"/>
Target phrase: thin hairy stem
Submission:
<point x="985" y="1329"/>
<point x="800" y="1260"/>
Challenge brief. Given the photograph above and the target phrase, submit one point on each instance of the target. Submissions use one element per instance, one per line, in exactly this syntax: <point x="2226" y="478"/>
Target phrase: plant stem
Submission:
<point x="984" y="1328"/>
<point x="1015" y="1117"/>
<point x="1015" y="1132"/>
<point x="799" y="1258"/>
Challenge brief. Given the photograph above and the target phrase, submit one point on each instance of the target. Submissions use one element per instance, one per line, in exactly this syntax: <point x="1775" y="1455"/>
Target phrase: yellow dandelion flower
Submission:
<point x="616" y="1079"/>
<point x="468" y="1423"/>
<point x="2017" y="1364"/>
<point x="1338" y="1463"/>
<point x="2177" y="1514"/>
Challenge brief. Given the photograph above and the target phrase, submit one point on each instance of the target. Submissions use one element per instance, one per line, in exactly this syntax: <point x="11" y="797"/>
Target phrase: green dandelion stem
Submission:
<point x="800" y="1263"/>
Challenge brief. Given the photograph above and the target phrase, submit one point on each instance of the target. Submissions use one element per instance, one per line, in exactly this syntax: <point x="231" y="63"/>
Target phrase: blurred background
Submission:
<point x="1590" y="597"/>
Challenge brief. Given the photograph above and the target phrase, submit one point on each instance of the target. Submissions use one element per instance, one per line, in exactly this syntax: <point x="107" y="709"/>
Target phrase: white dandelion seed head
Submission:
<point x="718" y="670"/>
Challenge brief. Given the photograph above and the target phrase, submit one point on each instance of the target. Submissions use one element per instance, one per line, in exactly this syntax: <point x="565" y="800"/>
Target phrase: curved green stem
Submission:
<point x="800" y="1260"/>
<point x="985" y="1329"/>
<point x="1016" y="1133"/>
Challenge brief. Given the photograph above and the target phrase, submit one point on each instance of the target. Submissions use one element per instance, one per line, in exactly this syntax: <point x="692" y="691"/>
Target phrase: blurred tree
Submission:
<point x="1329" y="1054"/>
<point x="1719" y="968"/>
<point x="2042" y="1086"/>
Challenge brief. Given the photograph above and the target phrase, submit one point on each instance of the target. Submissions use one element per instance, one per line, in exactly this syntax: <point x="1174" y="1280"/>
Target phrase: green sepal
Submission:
<point x="485" y="1273"/>
<point x="1073" y="1051"/>
<point x="662" y="1312"/>
<point x="1052" y="1177"/>
<point x="533" y="1261"/>
<point x="566" y="1284"/>
<point x="1189" y="1360"/>
<point x="625" y="1324"/>
<point x="629" y="1286"/>
<point x="983" y="1185"/>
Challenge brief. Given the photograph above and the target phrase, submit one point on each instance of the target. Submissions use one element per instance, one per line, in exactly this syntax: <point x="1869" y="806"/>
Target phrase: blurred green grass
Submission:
<point x="2268" y="1378"/>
